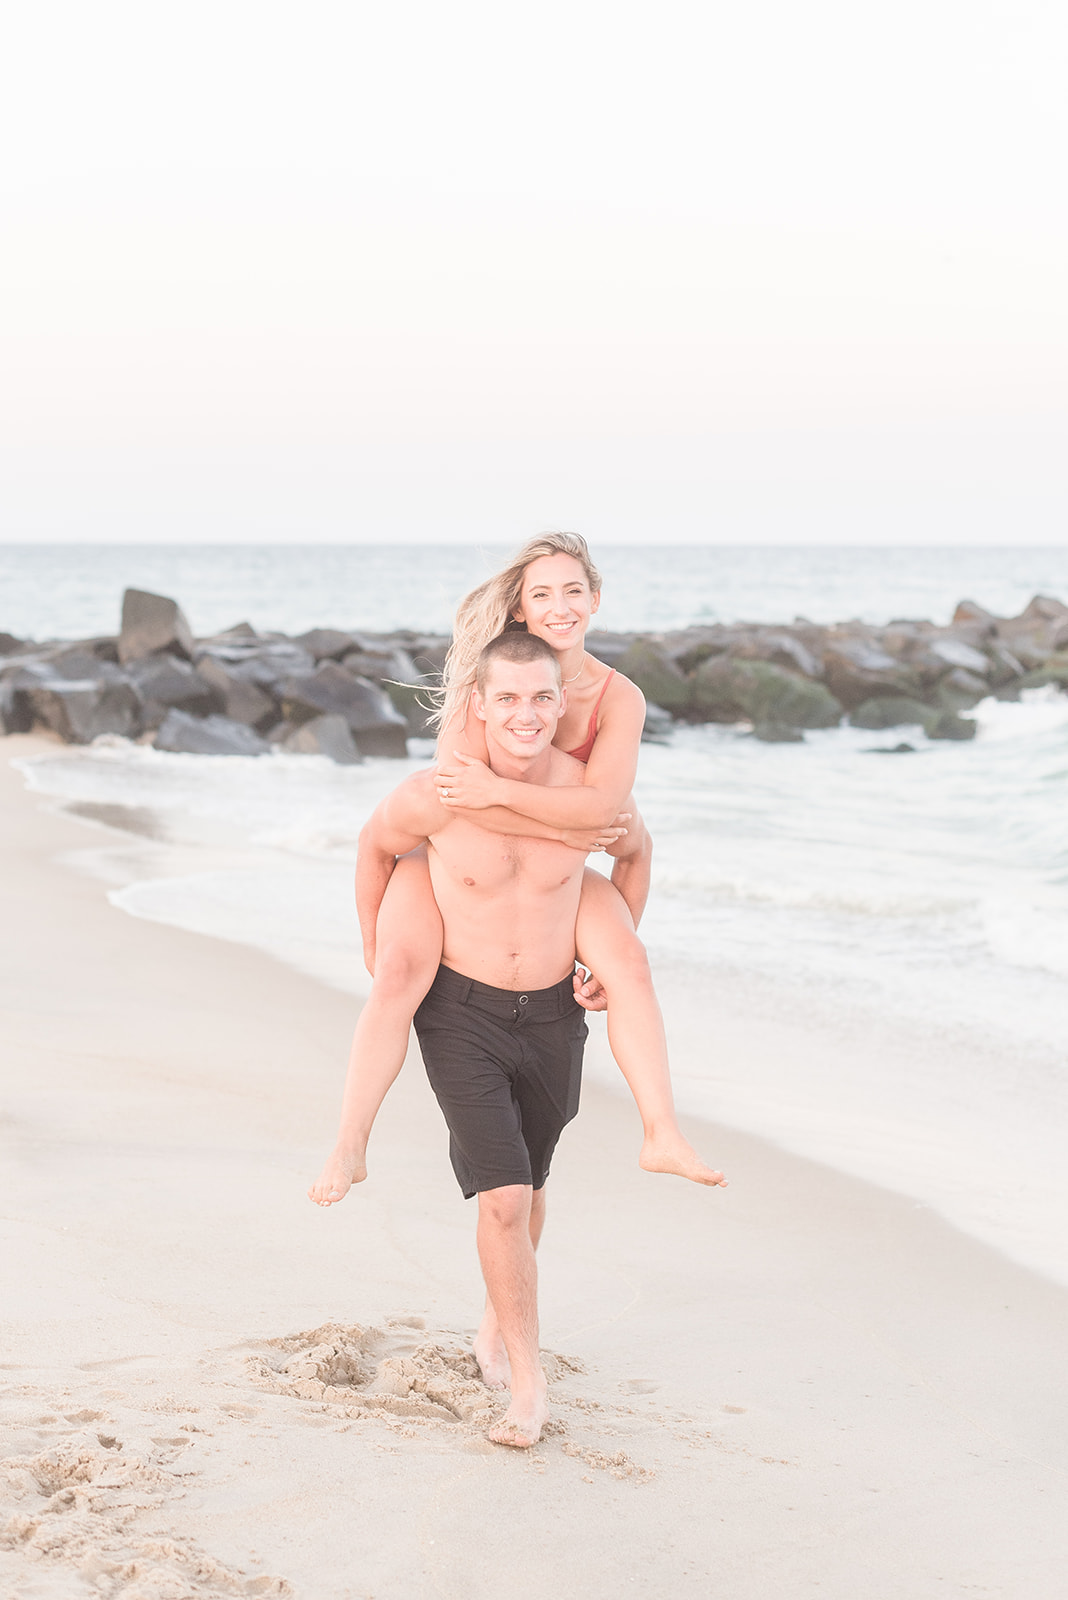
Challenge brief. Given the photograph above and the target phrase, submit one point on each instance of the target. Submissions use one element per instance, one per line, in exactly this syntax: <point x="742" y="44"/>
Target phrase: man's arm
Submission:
<point x="402" y="821"/>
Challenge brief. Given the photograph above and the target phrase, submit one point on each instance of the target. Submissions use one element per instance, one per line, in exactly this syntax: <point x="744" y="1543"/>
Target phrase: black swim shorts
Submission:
<point x="506" y="1068"/>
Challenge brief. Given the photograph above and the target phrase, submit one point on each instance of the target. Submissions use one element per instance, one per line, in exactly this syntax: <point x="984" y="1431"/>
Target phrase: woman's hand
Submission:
<point x="587" y="839"/>
<point x="467" y="783"/>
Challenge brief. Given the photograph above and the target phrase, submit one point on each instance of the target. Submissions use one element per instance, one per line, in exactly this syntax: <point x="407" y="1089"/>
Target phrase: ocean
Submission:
<point x="894" y="928"/>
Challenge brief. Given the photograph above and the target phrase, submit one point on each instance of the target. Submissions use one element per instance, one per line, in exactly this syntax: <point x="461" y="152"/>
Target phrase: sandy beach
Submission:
<point x="212" y="1388"/>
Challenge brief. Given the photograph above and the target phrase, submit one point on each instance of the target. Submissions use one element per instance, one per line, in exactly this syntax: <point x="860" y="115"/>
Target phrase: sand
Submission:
<point x="802" y="1385"/>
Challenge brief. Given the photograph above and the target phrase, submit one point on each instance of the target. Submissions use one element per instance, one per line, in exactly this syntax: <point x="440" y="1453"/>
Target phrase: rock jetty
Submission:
<point x="348" y="695"/>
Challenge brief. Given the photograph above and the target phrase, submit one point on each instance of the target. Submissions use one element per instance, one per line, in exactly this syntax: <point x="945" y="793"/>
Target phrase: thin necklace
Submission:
<point x="578" y="674"/>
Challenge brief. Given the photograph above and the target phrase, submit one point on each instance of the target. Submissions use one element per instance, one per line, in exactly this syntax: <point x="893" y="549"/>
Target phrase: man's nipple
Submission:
<point x="470" y="882"/>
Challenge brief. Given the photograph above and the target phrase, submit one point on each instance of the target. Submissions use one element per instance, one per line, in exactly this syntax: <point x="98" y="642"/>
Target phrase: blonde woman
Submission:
<point x="553" y="590"/>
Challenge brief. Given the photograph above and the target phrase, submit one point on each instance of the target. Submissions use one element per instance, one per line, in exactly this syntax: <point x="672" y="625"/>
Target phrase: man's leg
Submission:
<point x="490" y="1352"/>
<point x="506" y="1252"/>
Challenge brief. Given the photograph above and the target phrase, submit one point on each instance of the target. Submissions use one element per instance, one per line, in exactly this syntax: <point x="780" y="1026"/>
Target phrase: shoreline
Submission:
<point x="805" y="1380"/>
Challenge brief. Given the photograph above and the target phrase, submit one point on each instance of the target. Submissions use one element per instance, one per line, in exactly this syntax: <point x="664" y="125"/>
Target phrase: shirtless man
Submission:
<point x="500" y="1030"/>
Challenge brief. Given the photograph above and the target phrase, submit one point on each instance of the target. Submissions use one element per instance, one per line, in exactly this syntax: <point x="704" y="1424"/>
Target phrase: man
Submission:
<point x="500" y="1030"/>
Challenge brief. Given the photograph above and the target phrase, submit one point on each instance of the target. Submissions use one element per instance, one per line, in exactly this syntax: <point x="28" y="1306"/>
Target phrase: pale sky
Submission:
<point x="766" y="272"/>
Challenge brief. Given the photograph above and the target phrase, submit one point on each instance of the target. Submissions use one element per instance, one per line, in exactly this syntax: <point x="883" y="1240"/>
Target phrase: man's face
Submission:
<point x="521" y="707"/>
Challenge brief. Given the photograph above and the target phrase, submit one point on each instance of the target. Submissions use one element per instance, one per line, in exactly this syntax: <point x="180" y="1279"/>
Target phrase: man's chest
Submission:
<point x="490" y="865"/>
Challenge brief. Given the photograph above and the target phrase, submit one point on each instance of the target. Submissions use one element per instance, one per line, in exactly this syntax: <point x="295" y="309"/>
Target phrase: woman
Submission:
<point x="552" y="589"/>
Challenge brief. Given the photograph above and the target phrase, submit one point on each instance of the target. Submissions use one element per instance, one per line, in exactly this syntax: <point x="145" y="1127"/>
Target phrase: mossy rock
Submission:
<point x="1053" y="670"/>
<point x="892" y="711"/>
<point x="658" y="678"/>
<point x="726" y="690"/>
<point x="947" y="725"/>
<point x="777" y="733"/>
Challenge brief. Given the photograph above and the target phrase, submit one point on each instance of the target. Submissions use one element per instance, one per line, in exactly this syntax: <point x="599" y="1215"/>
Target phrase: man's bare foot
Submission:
<point x="491" y="1355"/>
<point x="342" y="1170"/>
<point x="521" y="1425"/>
<point x="672" y="1153"/>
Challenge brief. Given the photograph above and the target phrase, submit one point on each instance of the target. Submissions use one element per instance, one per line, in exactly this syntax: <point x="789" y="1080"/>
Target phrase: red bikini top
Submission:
<point x="584" y="749"/>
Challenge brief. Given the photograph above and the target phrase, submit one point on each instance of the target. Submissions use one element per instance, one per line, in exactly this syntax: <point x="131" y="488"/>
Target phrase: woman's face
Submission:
<point x="556" y="601"/>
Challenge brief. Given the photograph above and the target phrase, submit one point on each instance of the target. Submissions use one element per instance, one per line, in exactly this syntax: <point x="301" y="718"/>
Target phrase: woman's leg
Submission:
<point x="609" y="946"/>
<point x="407" y="954"/>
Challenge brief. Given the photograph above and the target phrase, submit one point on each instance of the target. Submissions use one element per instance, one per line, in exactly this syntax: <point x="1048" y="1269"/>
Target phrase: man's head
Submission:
<point x="518" y="695"/>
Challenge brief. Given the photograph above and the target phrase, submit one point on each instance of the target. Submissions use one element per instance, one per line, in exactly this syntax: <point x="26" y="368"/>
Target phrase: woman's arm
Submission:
<point x="609" y="775"/>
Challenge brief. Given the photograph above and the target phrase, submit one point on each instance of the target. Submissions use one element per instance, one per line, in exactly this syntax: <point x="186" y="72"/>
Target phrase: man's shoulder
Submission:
<point x="565" y="772"/>
<point x="412" y="797"/>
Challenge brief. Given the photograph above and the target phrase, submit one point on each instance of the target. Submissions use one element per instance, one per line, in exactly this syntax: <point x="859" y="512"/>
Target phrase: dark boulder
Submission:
<point x="324" y="644"/>
<point x="970" y="615"/>
<point x="208" y="736"/>
<point x="960" y="690"/>
<point x="268" y="665"/>
<point x="657" y="726"/>
<point x="954" y="653"/>
<point x="166" y="681"/>
<point x="385" y="662"/>
<point x="1034" y="634"/>
<point x="1053" y="670"/>
<point x="688" y="647"/>
<point x="891" y="711"/>
<point x="392" y="668"/>
<point x="781" y="649"/>
<point x="151" y="622"/>
<point x="428" y="651"/>
<point x="947" y="725"/>
<point x="727" y="689"/>
<point x="81" y="709"/>
<point x="78" y="662"/>
<point x="608" y="647"/>
<point x="323" y="736"/>
<point x="856" y="669"/>
<point x="378" y="729"/>
<point x="238" y="696"/>
<point x="777" y="733"/>
<point x="659" y="679"/>
<point x="16" y="713"/>
<point x="8" y="643"/>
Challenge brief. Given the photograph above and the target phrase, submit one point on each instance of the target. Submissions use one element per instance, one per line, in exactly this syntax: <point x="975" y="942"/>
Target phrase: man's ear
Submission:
<point x="563" y="699"/>
<point x="478" y="705"/>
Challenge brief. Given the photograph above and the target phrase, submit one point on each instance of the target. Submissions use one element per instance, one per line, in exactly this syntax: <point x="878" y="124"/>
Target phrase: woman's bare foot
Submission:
<point x="342" y="1170"/>
<point x="521" y="1424"/>
<point x="491" y="1355"/>
<point x="672" y="1153"/>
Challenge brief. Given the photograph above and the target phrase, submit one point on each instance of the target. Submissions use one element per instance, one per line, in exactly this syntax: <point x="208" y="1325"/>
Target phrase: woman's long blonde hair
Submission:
<point x="487" y="612"/>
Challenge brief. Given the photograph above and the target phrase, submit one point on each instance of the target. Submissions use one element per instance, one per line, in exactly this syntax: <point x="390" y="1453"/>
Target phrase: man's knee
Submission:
<point x="507" y="1207"/>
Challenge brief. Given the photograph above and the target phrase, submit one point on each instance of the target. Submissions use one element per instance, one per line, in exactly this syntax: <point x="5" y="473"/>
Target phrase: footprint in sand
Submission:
<point x="74" y="1507"/>
<point x="401" y="1370"/>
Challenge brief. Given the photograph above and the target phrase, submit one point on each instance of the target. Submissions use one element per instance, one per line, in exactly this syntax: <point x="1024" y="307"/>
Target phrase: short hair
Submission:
<point x="522" y="649"/>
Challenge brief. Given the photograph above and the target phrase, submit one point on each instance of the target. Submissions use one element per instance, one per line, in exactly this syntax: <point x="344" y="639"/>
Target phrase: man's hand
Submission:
<point x="467" y="783"/>
<point x="589" y="991"/>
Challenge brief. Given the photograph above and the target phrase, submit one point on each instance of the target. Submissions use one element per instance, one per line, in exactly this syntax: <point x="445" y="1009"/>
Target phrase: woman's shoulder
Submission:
<point x="619" y="693"/>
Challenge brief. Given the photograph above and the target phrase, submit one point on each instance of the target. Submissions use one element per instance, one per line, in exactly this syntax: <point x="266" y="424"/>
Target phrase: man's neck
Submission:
<point x="536" y="770"/>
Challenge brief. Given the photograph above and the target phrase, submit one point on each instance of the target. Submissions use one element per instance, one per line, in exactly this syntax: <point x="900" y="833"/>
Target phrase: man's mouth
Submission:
<point x="525" y="733"/>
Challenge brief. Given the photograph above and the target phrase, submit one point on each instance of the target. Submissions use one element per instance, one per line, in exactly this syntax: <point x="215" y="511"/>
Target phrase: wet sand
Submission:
<point x="211" y="1387"/>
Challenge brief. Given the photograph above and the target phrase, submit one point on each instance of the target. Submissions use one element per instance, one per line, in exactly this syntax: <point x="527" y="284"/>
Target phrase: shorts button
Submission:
<point x="523" y="999"/>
